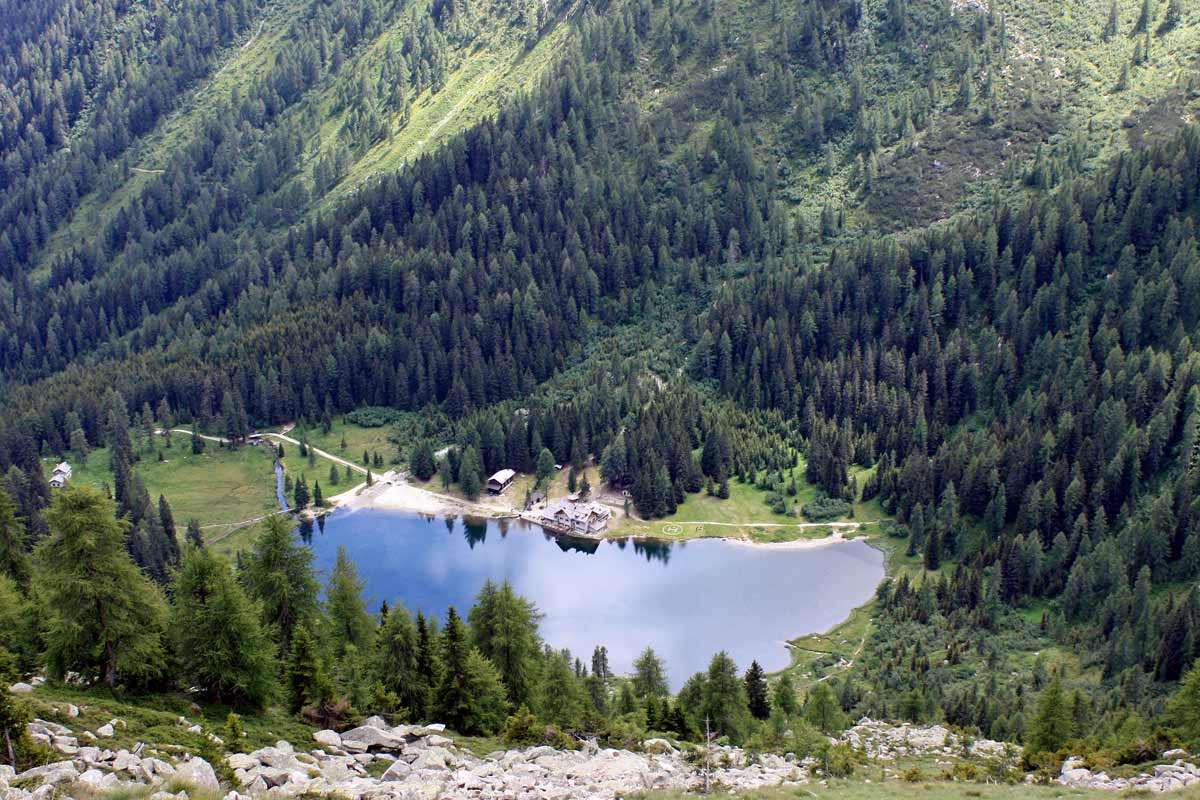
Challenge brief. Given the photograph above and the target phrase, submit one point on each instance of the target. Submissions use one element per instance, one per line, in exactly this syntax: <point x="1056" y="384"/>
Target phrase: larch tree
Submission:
<point x="1052" y="722"/>
<point x="822" y="710"/>
<point x="218" y="634"/>
<point x="724" y="699"/>
<point x="101" y="615"/>
<point x="649" y="675"/>
<point x="504" y="626"/>
<point x="348" y="616"/>
<point x="279" y="573"/>
<point x="14" y="560"/>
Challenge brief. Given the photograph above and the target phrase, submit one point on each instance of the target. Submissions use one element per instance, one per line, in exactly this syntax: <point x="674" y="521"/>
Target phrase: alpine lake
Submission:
<point x="686" y="599"/>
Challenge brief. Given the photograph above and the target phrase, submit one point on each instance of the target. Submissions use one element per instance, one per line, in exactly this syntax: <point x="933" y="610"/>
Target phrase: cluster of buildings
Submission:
<point x="573" y="516"/>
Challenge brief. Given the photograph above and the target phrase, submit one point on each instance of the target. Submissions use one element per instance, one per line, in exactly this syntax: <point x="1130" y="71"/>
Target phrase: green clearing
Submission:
<point x="357" y="438"/>
<point x="154" y="719"/>
<point x="745" y="514"/>
<point x="218" y="487"/>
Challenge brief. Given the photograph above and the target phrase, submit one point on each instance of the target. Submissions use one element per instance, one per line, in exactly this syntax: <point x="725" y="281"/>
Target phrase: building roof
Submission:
<point x="503" y="476"/>
<point x="62" y="466"/>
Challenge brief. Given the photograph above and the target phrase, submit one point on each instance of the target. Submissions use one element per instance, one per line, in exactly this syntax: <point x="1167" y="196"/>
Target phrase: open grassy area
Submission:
<point x="154" y="719"/>
<point x="357" y="439"/>
<point x="218" y="487"/>
<point x="745" y="513"/>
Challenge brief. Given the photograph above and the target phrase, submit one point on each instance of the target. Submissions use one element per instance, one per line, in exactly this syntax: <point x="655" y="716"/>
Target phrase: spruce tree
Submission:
<point x="307" y="682"/>
<point x="218" y="635"/>
<point x="471" y="696"/>
<point x="101" y="615"/>
<point x="469" y="471"/>
<point x="756" y="692"/>
<point x="194" y="536"/>
<point x="398" y="662"/>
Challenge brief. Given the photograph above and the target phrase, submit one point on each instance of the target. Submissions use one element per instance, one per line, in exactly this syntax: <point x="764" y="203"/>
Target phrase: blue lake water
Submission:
<point x="686" y="600"/>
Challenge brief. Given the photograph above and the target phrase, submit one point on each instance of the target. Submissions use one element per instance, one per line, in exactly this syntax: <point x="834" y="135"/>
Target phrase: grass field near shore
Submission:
<point x="217" y="487"/>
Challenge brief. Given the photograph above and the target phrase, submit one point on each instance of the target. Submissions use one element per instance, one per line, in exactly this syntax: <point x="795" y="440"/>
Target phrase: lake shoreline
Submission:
<point x="393" y="492"/>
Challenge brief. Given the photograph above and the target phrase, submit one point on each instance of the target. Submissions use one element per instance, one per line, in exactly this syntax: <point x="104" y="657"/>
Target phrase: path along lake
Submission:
<point x="687" y="600"/>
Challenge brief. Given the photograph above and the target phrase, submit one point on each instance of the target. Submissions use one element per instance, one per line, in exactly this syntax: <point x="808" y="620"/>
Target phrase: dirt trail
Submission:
<point x="284" y="438"/>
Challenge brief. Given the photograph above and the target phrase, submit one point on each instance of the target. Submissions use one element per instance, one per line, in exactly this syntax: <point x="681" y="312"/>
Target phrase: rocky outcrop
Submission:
<point x="1164" y="778"/>
<point x="376" y="761"/>
<point x="886" y="742"/>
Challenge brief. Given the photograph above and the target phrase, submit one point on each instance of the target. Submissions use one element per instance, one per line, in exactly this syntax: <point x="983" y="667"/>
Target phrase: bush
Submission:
<point x="374" y="416"/>
<point x="840" y="761"/>
<point x="521" y="729"/>
<point x="826" y="508"/>
<point x="912" y="775"/>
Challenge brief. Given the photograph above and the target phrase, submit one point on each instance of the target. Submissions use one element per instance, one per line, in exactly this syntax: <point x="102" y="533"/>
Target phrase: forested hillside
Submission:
<point x="948" y="246"/>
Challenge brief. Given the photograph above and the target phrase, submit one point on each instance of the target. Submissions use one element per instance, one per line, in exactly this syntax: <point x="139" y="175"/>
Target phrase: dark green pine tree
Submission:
<point x="933" y="550"/>
<point x="756" y="692"/>
<point x="300" y="495"/>
<point x="470" y="471"/>
<point x="167" y="522"/>
<point x="308" y="685"/>
<point x="452" y="701"/>
<point x="194" y="536"/>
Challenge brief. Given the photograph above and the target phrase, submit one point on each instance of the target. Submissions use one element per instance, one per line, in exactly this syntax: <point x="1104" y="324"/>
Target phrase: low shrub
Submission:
<point x="826" y="508"/>
<point x="373" y="416"/>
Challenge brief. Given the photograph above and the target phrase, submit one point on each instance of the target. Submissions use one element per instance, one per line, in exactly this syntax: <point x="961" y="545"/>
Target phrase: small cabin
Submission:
<point x="62" y="475"/>
<point x="500" y="481"/>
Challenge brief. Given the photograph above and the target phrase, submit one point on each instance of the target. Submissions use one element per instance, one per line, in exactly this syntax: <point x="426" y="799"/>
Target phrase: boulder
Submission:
<point x="658" y="746"/>
<point x="199" y="773"/>
<point x="106" y="730"/>
<point x="242" y="761"/>
<point x="366" y="737"/>
<point x="72" y="710"/>
<point x="376" y="722"/>
<point x="96" y="780"/>
<point x="396" y="772"/>
<point x="49" y="728"/>
<point x="20" y="687"/>
<point x="278" y="758"/>
<point x="328" y="738"/>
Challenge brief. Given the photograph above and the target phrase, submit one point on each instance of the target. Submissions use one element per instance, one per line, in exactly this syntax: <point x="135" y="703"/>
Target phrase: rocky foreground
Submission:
<point x="378" y="761"/>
